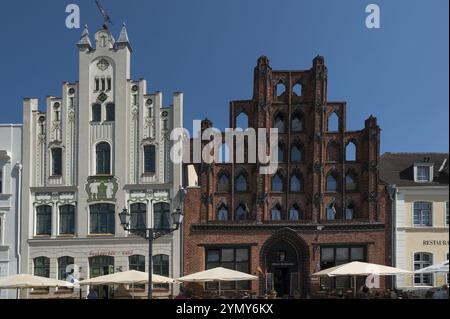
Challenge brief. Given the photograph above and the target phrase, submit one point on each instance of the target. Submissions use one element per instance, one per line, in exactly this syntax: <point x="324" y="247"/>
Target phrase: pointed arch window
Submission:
<point x="223" y="183"/>
<point x="222" y="212"/>
<point x="350" y="152"/>
<point x="277" y="184"/>
<point x="331" y="211"/>
<point x="103" y="158"/>
<point x="297" y="89"/>
<point x="241" y="184"/>
<point x="296" y="182"/>
<point x="280" y="88"/>
<point x="296" y="153"/>
<point x="350" y="182"/>
<point x="275" y="213"/>
<point x="241" y="212"/>
<point x="333" y="122"/>
<point x="280" y="153"/>
<point x="242" y="121"/>
<point x="350" y="211"/>
<point x="297" y="123"/>
<point x="278" y="122"/>
<point x="332" y="182"/>
<point x="295" y="213"/>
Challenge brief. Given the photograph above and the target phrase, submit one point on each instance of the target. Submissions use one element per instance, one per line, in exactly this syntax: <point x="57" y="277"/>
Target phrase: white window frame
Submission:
<point x="432" y="214"/>
<point x="431" y="275"/>
<point x="430" y="172"/>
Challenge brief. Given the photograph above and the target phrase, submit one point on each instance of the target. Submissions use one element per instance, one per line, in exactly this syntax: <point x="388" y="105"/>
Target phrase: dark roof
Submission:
<point x="398" y="168"/>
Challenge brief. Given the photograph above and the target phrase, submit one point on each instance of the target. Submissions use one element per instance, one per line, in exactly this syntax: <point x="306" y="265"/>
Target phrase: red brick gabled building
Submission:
<point x="324" y="206"/>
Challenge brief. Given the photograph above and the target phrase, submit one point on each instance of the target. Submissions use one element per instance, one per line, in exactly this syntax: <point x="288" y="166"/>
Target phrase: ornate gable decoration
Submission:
<point x="101" y="188"/>
<point x="103" y="64"/>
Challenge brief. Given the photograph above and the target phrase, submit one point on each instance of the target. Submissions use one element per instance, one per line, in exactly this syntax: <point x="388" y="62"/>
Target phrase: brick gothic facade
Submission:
<point x="319" y="218"/>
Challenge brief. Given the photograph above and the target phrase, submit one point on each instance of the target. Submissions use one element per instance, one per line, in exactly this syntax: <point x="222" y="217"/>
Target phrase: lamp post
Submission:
<point x="150" y="234"/>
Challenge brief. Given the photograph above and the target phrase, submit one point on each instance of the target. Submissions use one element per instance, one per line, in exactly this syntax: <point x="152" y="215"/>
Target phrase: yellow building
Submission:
<point x="418" y="184"/>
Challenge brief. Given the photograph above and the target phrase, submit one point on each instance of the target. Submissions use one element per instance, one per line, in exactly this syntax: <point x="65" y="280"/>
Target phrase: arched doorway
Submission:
<point x="100" y="266"/>
<point x="285" y="260"/>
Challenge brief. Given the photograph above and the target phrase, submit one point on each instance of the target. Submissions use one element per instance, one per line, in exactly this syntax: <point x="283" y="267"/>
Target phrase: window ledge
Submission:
<point x="100" y="235"/>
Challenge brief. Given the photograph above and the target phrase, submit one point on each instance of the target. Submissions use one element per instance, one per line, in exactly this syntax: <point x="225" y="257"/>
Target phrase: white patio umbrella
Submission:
<point x="24" y="281"/>
<point x="357" y="268"/>
<point x="218" y="274"/>
<point x="437" y="268"/>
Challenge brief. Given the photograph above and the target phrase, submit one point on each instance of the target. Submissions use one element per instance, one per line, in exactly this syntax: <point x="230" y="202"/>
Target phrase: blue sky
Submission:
<point x="208" y="49"/>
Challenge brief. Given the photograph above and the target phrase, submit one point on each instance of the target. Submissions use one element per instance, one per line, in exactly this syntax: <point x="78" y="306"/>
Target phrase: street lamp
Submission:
<point x="150" y="234"/>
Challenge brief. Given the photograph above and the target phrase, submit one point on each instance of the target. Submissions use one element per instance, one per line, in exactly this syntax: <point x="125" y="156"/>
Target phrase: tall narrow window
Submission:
<point x="277" y="183"/>
<point x="97" y="84"/>
<point x="350" y="182"/>
<point x="297" y="89"/>
<point x="1" y="180"/>
<point x="222" y="213"/>
<point x="108" y="82"/>
<point x="242" y="121"/>
<point x="138" y="213"/>
<point x="102" y="219"/>
<point x="278" y="122"/>
<point x="96" y="113"/>
<point x="423" y="260"/>
<point x="42" y="267"/>
<point x="350" y="211"/>
<point x="297" y="123"/>
<point x="276" y="212"/>
<point x="223" y="184"/>
<point x="103" y="84"/>
<point x="294" y="213"/>
<point x="331" y="211"/>
<point x="103" y="153"/>
<point x="44" y="220"/>
<point x="423" y="214"/>
<point x="296" y="153"/>
<point x="63" y="267"/>
<point x="241" y="212"/>
<point x="280" y="88"/>
<point x="333" y="122"/>
<point x="241" y="183"/>
<point x="67" y="220"/>
<point x="295" y="183"/>
<point x="149" y="159"/>
<point x="161" y="268"/>
<point x="161" y="216"/>
<point x="110" y="112"/>
<point x="280" y="154"/>
<point x="331" y="182"/>
<point x="350" y="152"/>
<point x="57" y="161"/>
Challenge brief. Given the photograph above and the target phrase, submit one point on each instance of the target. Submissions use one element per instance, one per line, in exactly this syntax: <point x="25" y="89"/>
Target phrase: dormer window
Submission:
<point x="423" y="173"/>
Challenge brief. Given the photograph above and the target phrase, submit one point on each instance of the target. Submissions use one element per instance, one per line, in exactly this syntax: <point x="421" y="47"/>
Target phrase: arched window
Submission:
<point x="102" y="219"/>
<point x="332" y="151"/>
<point x="350" y="182"/>
<point x="149" y="159"/>
<point x="56" y="161"/>
<point x="280" y="153"/>
<point x="138" y="218"/>
<point x="331" y="182"/>
<point x="241" y="212"/>
<point x="223" y="183"/>
<point x="350" y="152"/>
<point x="278" y="122"/>
<point x="67" y="220"/>
<point x="423" y="260"/>
<point x="42" y="267"/>
<point x="296" y="153"/>
<point x="96" y="113"/>
<point x="241" y="183"/>
<point x="297" y="123"/>
<point x="110" y="112"/>
<point x="277" y="183"/>
<point x="296" y="183"/>
<point x="295" y="213"/>
<point x="136" y="262"/>
<point x="331" y="211"/>
<point x="222" y="212"/>
<point x="103" y="158"/>
<point x="350" y="211"/>
<point x="161" y="216"/>
<point x="44" y="220"/>
<point x="333" y="122"/>
<point x="275" y="213"/>
<point x="242" y="121"/>
<point x="280" y="88"/>
<point x="297" y="89"/>
<point x="63" y="269"/>
<point x="161" y="268"/>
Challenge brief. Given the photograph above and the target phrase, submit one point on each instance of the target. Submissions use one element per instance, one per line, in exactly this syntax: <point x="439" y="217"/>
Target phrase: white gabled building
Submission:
<point x="10" y="176"/>
<point x="102" y="146"/>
